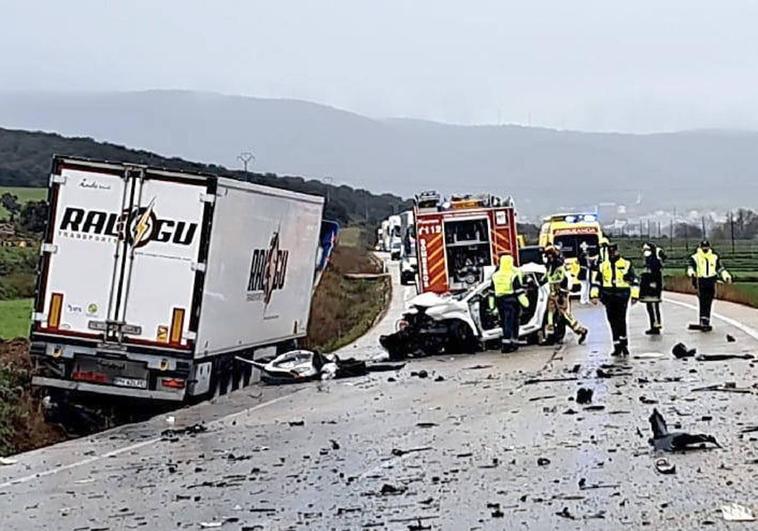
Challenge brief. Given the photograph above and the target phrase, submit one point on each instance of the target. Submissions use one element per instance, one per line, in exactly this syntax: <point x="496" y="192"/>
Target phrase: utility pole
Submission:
<point x="328" y="181"/>
<point x="686" y="236"/>
<point x="702" y="219"/>
<point x="731" y="226"/>
<point x="245" y="157"/>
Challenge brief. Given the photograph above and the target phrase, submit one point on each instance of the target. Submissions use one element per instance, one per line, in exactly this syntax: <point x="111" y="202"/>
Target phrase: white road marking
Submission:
<point x="135" y="446"/>
<point x="728" y="320"/>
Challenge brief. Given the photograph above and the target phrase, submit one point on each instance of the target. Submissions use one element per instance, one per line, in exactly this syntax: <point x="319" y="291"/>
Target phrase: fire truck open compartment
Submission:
<point x="468" y="250"/>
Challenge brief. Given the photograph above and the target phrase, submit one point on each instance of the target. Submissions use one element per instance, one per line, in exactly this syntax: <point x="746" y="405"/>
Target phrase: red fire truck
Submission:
<point x="457" y="237"/>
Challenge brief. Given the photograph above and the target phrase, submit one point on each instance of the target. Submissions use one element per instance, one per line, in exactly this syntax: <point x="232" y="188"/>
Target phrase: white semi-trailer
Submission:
<point x="152" y="282"/>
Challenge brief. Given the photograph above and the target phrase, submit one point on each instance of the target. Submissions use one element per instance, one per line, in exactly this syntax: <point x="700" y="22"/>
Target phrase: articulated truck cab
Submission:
<point x="570" y="233"/>
<point x="152" y="282"/>
<point x="457" y="237"/>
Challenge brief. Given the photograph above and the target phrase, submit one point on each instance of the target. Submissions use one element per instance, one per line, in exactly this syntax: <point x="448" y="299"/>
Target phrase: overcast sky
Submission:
<point x="639" y="65"/>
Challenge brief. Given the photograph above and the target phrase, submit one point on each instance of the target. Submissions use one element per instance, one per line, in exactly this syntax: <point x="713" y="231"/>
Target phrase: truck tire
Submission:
<point x="247" y="374"/>
<point x="237" y="374"/>
<point x="221" y="378"/>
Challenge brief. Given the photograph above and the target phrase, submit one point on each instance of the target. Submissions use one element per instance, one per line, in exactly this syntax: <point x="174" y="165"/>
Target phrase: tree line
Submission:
<point x="25" y="160"/>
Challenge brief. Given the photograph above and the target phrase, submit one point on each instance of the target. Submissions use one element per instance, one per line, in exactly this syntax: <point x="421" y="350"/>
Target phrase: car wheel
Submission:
<point x="461" y="339"/>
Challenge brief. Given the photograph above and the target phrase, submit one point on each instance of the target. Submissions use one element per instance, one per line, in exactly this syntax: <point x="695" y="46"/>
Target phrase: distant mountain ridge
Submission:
<point x="543" y="169"/>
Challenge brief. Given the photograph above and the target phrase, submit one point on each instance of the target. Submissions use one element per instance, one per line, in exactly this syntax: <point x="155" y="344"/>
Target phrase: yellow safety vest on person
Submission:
<point x="615" y="276"/>
<point x="507" y="281"/>
<point x="707" y="265"/>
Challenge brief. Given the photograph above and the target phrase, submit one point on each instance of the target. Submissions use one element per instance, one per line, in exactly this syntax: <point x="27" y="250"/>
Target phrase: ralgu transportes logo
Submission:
<point x="139" y="226"/>
<point x="268" y="271"/>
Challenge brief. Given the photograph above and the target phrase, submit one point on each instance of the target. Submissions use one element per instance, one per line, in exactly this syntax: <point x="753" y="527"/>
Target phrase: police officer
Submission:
<point x="558" y="302"/>
<point x="651" y="285"/>
<point x="705" y="269"/>
<point x="510" y="296"/>
<point x="615" y="284"/>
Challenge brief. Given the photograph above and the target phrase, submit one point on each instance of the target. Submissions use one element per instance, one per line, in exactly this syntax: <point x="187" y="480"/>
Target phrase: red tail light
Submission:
<point x="173" y="383"/>
<point x="90" y="376"/>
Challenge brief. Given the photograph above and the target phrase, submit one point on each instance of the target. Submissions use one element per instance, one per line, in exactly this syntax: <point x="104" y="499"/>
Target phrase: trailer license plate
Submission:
<point x="130" y="382"/>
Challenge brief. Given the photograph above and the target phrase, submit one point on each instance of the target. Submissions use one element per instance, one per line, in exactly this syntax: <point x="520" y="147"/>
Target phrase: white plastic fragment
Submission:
<point x="210" y="525"/>
<point x="648" y="356"/>
<point x="5" y="461"/>
<point x="734" y="512"/>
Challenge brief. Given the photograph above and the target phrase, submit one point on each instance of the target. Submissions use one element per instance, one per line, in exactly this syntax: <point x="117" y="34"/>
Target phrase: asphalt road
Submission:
<point x="471" y="446"/>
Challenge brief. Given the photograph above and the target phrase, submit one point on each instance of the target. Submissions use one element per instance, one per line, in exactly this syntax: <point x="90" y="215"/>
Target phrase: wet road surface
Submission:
<point x="472" y="445"/>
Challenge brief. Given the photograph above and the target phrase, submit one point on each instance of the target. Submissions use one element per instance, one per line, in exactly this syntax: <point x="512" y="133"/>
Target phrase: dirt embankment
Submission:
<point x="22" y="425"/>
<point x="344" y="309"/>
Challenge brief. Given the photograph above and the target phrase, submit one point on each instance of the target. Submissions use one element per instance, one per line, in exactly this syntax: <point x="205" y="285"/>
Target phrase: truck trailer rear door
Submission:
<point x="81" y="248"/>
<point x="163" y="259"/>
<point x="122" y="257"/>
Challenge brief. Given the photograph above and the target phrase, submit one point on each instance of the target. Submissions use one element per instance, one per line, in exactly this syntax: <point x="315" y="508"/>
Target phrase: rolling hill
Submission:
<point x="543" y="169"/>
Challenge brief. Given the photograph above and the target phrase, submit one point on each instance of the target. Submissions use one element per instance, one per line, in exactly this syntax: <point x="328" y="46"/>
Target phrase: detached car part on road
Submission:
<point x="299" y="366"/>
<point x="465" y="322"/>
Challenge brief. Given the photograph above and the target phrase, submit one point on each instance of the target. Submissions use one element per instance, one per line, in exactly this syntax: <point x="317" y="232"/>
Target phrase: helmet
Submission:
<point x="705" y="243"/>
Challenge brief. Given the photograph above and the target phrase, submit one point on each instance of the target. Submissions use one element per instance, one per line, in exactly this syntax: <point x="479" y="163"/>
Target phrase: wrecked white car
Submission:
<point x="466" y="321"/>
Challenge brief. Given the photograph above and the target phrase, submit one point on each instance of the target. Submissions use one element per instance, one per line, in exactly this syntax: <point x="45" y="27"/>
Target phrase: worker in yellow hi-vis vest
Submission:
<point x="510" y="296"/>
<point x="705" y="270"/>
<point x="615" y="285"/>
<point x="559" y="303"/>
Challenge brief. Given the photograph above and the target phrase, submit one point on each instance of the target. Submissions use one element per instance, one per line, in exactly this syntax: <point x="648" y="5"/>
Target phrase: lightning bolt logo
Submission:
<point x="142" y="225"/>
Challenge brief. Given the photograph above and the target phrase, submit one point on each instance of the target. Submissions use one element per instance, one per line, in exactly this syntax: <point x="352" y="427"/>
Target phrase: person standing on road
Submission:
<point x="615" y="285"/>
<point x="559" y="303"/>
<point x="584" y="260"/>
<point x="651" y="285"/>
<point x="705" y="270"/>
<point x="510" y="296"/>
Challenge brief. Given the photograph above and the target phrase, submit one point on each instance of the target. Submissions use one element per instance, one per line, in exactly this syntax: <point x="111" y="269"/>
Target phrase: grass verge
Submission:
<point x="22" y="424"/>
<point x="343" y="309"/>
<point x="15" y="317"/>
<point x="740" y="292"/>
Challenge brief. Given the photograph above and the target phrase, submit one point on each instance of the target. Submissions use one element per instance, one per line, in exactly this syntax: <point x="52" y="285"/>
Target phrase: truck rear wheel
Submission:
<point x="236" y="380"/>
<point x="221" y="377"/>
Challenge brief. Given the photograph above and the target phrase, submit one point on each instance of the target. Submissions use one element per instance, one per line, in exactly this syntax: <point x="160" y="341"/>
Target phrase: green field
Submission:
<point x="14" y="318"/>
<point x="742" y="262"/>
<point x="24" y="196"/>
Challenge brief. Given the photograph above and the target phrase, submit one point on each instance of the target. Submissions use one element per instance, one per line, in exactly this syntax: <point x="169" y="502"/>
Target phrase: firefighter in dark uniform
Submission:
<point x="615" y="284"/>
<point x="651" y="285"/>
<point x="558" y="302"/>
<point x="510" y="296"/>
<point x="705" y="270"/>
